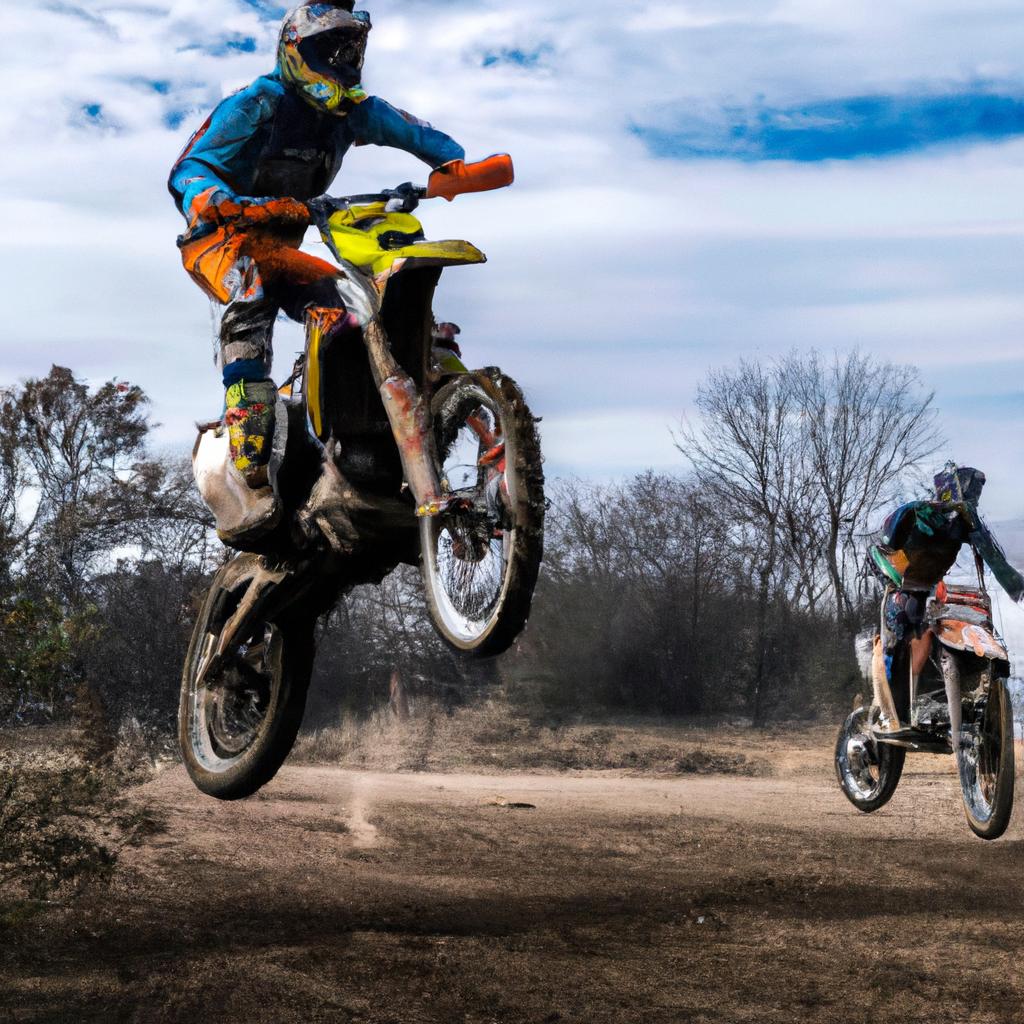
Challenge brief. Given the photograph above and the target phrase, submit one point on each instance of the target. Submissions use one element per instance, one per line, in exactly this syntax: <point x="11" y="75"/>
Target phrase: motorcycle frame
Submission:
<point x="333" y="502"/>
<point x="372" y="243"/>
<point x="929" y="645"/>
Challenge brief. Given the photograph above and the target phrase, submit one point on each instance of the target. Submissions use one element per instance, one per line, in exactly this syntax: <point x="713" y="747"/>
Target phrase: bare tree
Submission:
<point x="799" y="455"/>
<point x="865" y="425"/>
<point x="746" y="452"/>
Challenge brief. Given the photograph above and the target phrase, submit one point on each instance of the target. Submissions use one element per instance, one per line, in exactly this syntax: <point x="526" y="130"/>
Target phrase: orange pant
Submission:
<point x="254" y="273"/>
<point x="213" y="261"/>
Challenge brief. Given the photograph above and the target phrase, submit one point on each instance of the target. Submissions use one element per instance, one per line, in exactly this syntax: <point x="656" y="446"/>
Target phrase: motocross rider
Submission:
<point x="918" y="544"/>
<point x="241" y="182"/>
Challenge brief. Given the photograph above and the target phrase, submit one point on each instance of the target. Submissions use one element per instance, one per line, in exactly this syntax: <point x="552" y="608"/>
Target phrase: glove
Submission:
<point x="455" y="177"/>
<point x="220" y="208"/>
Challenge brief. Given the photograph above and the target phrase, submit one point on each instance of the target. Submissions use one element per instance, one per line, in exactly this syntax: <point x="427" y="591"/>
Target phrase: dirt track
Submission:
<point x="341" y="896"/>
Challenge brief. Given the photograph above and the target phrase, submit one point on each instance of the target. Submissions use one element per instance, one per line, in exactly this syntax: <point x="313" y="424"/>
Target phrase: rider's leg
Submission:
<point x="252" y="273"/>
<point x="246" y="355"/>
<point x="225" y="264"/>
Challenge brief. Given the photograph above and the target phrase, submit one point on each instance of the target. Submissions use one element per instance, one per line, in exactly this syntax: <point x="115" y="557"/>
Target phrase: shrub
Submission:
<point x="62" y="825"/>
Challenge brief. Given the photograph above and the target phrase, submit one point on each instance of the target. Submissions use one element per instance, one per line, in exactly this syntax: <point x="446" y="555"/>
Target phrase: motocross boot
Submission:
<point x="249" y="415"/>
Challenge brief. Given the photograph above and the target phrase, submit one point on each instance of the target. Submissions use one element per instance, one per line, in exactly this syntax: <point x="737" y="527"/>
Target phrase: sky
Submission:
<point x="696" y="182"/>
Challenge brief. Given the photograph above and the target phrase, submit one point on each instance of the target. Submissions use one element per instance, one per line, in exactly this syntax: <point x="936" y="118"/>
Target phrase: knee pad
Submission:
<point x="246" y="333"/>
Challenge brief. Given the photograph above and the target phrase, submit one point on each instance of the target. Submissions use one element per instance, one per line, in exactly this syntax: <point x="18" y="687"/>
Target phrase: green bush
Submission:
<point x="38" y="655"/>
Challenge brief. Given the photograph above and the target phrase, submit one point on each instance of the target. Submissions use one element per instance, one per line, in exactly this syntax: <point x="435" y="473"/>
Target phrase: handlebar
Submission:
<point x="402" y="199"/>
<point x="447" y="181"/>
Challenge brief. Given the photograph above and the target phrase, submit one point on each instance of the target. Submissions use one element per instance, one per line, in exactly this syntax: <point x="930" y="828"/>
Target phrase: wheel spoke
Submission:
<point x="480" y="562"/>
<point x="868" y="770"/>
<point x="469" y="546"/>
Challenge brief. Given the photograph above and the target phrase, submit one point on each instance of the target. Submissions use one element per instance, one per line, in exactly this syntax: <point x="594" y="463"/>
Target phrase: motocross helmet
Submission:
<point x="959" y="483"/>
<point x="321" y="53"/>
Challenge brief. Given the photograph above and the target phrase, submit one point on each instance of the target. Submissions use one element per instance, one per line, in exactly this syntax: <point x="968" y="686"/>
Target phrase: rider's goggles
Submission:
<point x="339" y="49"/>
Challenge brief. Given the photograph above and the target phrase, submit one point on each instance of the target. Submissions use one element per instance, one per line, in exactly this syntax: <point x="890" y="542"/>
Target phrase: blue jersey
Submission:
<point x="267" y="141"/>
<point x="920" y="541"/>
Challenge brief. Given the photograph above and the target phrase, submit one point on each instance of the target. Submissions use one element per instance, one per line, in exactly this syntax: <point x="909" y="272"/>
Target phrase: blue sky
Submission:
<point x="697" y="181"/>
<point x="839" y="128"/>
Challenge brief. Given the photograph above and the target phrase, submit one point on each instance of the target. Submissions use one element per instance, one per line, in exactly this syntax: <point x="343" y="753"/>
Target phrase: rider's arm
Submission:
<point x="377" y="122"/>
<point x="995" y="558"/>
<point x="199" y="178"/>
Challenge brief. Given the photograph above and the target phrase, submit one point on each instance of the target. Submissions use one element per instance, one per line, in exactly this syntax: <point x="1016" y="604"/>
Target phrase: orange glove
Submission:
<point x="456" y="177"/>
<point x="219" y="208"/>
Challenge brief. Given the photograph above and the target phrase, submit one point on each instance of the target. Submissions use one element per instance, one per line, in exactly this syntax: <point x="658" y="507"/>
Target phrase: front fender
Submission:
<point x="380" y="243"/>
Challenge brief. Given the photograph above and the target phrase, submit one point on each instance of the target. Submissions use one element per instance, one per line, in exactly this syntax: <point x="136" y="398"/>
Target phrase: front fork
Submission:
<point x="889" y="719"/>
<point x="410" y="422"/>
<point x="405" y="407"/>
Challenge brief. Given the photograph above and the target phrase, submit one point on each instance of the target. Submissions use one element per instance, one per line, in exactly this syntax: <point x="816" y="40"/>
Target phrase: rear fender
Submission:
<point x="970" y="636"/>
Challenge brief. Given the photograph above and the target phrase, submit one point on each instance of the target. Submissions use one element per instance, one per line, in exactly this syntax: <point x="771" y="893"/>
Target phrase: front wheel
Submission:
<point x="481" y="558"/>
<point x="236" y="729"/>
<point x="985" y="761"/>
<point x="868" y="771"/>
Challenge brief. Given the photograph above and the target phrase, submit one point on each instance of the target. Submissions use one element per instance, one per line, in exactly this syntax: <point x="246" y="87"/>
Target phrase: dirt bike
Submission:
<point x="387" y="450"/>
<point x="950" y="690"/>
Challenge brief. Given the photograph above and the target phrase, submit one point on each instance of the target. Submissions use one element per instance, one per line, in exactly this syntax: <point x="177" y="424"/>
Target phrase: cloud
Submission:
<point x="616" y="278"/>
<point x="74" y="11"/>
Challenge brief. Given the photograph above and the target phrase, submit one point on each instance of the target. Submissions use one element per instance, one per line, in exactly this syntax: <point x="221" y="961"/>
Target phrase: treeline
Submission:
<point x="104" y="547"/>
<point x="799" y="459"/>
<point x="733" y="586"/>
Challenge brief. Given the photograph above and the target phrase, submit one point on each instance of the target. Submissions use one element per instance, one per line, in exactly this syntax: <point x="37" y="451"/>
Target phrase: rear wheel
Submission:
<point x="985" y="761"/>
<point x="480" y="560"/>
<point x="868" y="771"/>
<point x="236" y="728"/>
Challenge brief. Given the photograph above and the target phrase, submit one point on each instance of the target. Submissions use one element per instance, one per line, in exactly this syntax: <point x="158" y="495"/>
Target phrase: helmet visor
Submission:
<point x="339" y="50"/>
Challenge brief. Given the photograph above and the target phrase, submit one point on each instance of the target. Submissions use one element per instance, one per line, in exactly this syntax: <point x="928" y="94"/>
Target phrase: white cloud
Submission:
<point x="616" y="280"/>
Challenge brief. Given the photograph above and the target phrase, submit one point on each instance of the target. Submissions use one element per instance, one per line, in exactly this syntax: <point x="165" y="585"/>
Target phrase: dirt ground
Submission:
<point x="384" y="897"/>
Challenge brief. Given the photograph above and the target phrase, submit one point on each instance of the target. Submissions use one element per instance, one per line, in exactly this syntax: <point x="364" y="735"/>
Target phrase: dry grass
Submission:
<point x="491" y="736"/>
<point x="64" y="818"/>
<point x="348" y="897"/>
